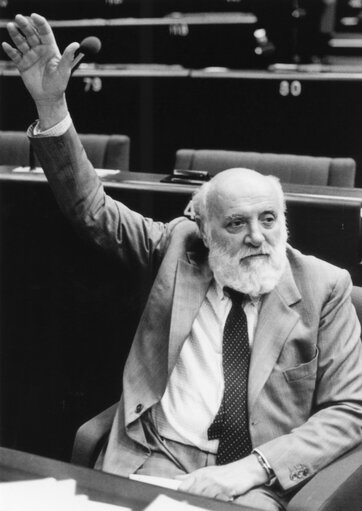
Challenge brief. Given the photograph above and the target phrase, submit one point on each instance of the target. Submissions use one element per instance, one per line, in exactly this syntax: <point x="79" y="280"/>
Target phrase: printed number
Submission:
<point x="92" y="84"/>
<point x="294" y="88"/>
<point x="179" y="29"/>
<point x="284" y="88"/>
<point x="189" y="211"/>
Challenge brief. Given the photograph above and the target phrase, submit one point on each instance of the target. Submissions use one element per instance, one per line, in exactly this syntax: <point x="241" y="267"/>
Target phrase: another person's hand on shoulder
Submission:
<point x="44" y="70"/>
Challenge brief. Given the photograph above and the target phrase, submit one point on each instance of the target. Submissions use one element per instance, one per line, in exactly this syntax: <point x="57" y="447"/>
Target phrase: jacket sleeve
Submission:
<point x="335" y="424"/>
<point x="96" y="216"/>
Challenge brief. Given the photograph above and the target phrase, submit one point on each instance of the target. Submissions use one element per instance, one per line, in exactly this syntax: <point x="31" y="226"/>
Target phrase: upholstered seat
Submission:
<point x="104" y="151"/>
<point x="289" y="168"/>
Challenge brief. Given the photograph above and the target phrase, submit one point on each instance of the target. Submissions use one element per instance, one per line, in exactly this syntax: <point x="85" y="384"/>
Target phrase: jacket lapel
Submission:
<point x="275" y="322"/>
<point x="182" y="285"/>
<point x="193" y="277"/>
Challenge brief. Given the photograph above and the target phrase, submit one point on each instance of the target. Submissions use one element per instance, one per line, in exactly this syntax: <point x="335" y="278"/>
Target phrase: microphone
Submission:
<point x="88" y="48"/>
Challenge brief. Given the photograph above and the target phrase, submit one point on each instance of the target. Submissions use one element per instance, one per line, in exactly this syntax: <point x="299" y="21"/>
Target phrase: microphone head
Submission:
<point x="90" y="46"/>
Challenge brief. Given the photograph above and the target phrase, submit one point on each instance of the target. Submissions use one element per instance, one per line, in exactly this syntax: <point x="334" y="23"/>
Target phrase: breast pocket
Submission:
<point x="303" y="371"/>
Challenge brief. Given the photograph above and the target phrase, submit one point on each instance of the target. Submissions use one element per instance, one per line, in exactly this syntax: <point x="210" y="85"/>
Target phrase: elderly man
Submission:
<point x="244" y="377"/>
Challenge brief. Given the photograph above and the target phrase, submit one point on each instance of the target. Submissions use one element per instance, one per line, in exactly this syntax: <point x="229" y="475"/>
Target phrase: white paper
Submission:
<point x="101" y="506"/>
<point x="106" y="172"/>
<point x="164" y="503"/>
<point x="48" y="494"/>
<point x="165" y="482"/>
<point x="39" y="170"/>
<point x="20" y="170"/>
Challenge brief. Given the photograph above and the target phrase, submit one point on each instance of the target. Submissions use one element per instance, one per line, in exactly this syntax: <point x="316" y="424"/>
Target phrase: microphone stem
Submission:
<point x="77" y="59"/>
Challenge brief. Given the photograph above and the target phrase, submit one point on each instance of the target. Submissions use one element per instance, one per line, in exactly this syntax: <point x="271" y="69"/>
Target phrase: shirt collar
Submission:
<point x="222" y="296"/>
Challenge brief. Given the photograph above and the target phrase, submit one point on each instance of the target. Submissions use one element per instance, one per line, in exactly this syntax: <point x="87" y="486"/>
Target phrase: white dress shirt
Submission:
<point x="196" y="385"/>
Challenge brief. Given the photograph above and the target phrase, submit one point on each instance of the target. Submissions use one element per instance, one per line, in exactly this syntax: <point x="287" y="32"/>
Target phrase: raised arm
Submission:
<point x="44" y="70"/>
<point x="75" y="184"/>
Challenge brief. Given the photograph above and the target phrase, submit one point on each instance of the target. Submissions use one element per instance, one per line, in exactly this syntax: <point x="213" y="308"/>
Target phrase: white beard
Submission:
<point x="253" y="276"/>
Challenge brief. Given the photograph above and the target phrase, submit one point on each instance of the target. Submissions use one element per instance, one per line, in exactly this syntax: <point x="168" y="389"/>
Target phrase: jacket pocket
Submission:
<point x="302" y="371"/>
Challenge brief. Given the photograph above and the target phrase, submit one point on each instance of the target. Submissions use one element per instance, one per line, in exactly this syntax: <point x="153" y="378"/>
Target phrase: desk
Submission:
<point x="99" y="486"/>
<point x="152" y="181"/>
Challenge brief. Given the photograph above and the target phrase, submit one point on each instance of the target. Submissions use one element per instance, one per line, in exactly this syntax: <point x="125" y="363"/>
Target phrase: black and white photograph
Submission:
<point x="180" y="255"/>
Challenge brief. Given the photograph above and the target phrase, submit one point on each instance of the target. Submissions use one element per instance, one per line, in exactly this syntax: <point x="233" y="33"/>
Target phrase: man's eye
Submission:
<point x="268" y="220"/>
<point x="239" y="222"/>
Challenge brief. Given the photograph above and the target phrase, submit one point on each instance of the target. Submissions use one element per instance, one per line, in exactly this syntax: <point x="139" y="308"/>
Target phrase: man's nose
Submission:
<point x="254" y="236"/>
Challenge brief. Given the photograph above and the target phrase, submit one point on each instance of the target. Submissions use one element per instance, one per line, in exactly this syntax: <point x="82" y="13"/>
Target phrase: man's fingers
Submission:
<point x="186" y="482"/>
<point x="181" y="477"/>
<point x="17" y="37"/>
<point x="67" y="59"/>
<point x="69" y="51"/>
<point x="224" y="497"/>
<point x="22" y="62"/>
<point x="28" y="29"/>
<point x="43" y="28"/>
<point x="207" y="490"/>
<point x="12" y="53"/>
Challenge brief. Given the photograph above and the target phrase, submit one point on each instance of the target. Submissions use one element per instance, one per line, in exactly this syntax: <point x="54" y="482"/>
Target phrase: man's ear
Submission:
<point x="201" y="226"/>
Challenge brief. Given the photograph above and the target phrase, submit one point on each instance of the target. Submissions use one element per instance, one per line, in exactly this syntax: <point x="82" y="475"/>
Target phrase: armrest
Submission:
<point x="337" y="487"/>
<point x="90" y="437"/>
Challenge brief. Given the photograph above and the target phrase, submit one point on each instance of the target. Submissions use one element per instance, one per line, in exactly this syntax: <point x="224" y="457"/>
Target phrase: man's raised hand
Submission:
<point x="35" y="53"/>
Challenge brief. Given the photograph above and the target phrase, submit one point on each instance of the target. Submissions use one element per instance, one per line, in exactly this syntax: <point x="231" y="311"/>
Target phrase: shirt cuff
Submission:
<point x="55" y="131"/>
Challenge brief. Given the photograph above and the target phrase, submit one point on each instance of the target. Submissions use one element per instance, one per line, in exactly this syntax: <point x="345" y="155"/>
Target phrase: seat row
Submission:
<point x="112" y="152"/>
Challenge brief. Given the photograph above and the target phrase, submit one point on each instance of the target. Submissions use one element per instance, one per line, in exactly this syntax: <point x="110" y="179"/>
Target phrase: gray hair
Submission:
<point x="200" y="198"/>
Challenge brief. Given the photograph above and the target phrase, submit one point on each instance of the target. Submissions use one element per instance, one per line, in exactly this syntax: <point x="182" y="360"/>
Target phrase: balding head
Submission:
<point x="225" y="185"/>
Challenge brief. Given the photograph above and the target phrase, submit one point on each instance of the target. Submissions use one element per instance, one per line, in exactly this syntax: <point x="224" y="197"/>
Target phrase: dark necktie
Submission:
<point x="231" y="424"/>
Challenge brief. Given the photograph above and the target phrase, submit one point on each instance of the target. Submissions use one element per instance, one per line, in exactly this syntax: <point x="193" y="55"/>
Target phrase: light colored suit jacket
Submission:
<point x="305" y="381"/>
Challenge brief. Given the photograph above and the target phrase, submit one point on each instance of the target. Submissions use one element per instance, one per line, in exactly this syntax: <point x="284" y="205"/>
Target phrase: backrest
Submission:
<point x="14" y="148"/>
<point x="289" y="168"/>
<point x="107" y="151"/>
<point x="104" y="151"/>
<point x="357" y="301"/>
